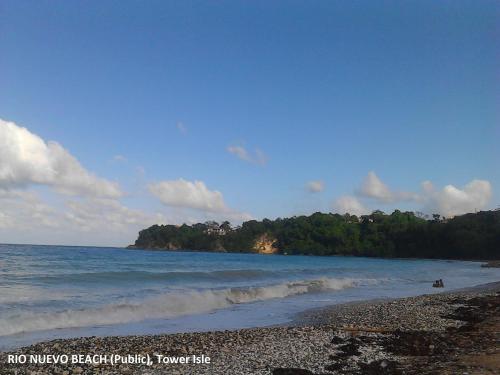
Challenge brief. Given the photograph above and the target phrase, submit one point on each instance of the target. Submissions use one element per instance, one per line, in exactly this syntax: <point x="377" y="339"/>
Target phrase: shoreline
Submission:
<point x="319" y="315"/>
<point x="335" y="339"/>
<point x="162" y="249"/>
<point x="132" y="247"/>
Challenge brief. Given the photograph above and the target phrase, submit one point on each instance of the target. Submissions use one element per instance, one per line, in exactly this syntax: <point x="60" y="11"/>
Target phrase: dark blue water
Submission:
<point x="52" y="291"/>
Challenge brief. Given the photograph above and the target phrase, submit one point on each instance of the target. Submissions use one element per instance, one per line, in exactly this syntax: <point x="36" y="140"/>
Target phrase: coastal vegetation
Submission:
<point x="399" y="234"/>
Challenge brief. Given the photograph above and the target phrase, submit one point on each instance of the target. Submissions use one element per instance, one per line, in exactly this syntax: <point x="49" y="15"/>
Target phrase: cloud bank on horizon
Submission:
<point x="196" y="196"/>
<point x="45" y="191"/>
<point x="449" y="201"/>
<point x="91" y="205"/>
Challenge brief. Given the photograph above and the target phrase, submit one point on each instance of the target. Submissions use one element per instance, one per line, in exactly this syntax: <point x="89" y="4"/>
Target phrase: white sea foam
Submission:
<point x="164" y="306"/>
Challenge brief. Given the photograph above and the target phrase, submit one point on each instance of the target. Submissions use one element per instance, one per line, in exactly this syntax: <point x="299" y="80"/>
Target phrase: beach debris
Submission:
<point x="438" y="284"/>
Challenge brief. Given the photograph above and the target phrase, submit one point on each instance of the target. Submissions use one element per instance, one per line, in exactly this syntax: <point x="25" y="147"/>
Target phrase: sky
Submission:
<point x="116" y="115"/>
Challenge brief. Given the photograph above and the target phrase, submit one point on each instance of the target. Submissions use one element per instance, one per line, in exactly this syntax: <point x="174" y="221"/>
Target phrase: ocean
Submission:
<point x="49" y="292"/>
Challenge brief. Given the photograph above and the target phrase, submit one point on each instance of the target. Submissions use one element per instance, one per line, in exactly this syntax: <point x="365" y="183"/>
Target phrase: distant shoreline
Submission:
<point x="396" y="235"/>
<point x="310" y="255"/>
<point x="251" y="253"/>
<point x="494" y="262"/>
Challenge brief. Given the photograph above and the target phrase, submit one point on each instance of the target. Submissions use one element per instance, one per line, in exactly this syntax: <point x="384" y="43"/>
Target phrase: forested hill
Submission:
<point x="400" y="234"/>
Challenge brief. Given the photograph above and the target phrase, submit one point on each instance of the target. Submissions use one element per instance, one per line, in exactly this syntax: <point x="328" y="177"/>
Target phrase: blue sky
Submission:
<point x="143" y="93"/>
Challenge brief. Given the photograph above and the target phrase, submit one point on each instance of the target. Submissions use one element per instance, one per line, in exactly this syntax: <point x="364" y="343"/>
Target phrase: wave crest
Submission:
<point x="165" y="306"/>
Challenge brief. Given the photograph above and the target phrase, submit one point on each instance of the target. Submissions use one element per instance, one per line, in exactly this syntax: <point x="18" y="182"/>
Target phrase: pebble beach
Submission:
<point x="451" y="332"/>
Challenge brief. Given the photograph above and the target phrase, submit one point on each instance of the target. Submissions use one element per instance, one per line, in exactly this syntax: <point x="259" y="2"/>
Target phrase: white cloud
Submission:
<point x="23" y="209"/>
<point x="119" y="158"/>
<point x="258" y="157"/>
<point x="195" y="195"/>
<point x="26" y="218"/>
<point x="315" y="186"/>
<point x="351" y="205"/>
<point x="93" y="215"/>
<point x="427" y="186"/>
<point x="96" y="213"/>
<point x="235" y="217"/>
<point x="181" y="127"/>
<point x="452" y="201"/>
<point x="449" y="201"/>
<point x="26" y="159"/>
<point x="240" y="152"/>
<point x="5" y="221"/>
<point x="187" y="194"/>
<point x="374" y="188"/>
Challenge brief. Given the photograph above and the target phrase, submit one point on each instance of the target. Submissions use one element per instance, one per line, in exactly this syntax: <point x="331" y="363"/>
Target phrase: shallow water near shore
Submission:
<point x="51" y="292"/>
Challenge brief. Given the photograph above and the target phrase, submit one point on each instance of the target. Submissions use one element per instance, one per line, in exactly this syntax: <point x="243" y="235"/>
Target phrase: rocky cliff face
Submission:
<point x="265" y="244"/>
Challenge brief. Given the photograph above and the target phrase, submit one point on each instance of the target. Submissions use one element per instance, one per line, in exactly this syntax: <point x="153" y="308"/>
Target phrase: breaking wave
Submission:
<point x="165" y="306"/>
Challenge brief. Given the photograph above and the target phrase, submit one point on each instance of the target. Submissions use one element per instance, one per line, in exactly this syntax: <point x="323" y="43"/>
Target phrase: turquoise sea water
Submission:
<point x="51" y="292"/>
